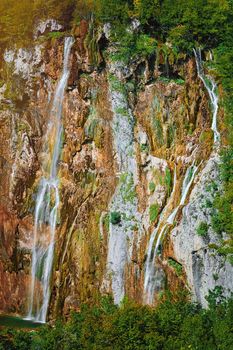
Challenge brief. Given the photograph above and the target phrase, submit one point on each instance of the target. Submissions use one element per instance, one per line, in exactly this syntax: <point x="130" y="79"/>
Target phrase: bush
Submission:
<point x="55" y="35"/>
<point x="175" y="323"/>
<point x="115" y="218"/>
<point x="202" y="229"/>
<point x="176" y="266"/>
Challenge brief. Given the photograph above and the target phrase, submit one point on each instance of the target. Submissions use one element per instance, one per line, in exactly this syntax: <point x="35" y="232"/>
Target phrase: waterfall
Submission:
<point x="211" y="87"/>
<point x="149" y="265"/>
<point x="160" y="231"/>
<point x="47" y="202"/>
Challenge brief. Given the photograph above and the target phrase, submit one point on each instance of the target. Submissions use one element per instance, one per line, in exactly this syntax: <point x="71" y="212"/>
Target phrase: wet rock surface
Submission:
<point x="120" y="149"/>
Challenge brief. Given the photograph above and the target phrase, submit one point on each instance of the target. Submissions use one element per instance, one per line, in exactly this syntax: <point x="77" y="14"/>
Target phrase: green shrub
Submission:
<point x="144" y="148"/>
<point x="115" y="218"/>
<point x="116" y="84"/>
<point x="175" y="323"/>
<point x="176" y="266"/>
<point x="222" y="219"/>
<point x="55" y="35"/>
<point x="208" y="204"/>
<point x="202" y="229"/>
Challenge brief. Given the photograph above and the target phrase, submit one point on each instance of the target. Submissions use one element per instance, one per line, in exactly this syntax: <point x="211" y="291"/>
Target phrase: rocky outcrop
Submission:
<point x="204" y="268"/>
<point x="127" y="130"/>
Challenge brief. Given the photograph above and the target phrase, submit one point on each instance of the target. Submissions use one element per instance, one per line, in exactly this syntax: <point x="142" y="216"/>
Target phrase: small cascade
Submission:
<point x="149" y="277"/>
<point x="211" y="87"/>
<point x="160" y="231"/>
<point x="47" y="202"/>
<point x="163" y="225"/>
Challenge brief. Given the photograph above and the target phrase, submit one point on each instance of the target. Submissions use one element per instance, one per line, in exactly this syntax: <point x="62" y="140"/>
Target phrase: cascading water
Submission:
<point x="150" y="266"/>
<point x="150" y="269"/>
<point x="47" y="202"/>
<point x="211" y="91"/>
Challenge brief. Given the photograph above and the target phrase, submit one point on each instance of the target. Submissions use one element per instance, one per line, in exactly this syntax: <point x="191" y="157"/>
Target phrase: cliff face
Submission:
<point x="134" y="141"/>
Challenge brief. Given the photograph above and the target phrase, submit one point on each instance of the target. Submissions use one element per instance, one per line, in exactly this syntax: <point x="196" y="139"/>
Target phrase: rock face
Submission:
<point x="205" y="269"/>
<point x="126" y="131"/>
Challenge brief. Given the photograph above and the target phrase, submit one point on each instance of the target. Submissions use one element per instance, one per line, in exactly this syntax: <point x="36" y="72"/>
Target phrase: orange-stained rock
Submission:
<point x="176" y="120"/>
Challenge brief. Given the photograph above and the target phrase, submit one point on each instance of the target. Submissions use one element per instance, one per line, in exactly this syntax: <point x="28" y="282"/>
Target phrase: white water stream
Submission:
<point x="158" y="234"/>
<point x="47" y="203"/>
<point x="150" y="268"/>
<point x="211" y="87"/>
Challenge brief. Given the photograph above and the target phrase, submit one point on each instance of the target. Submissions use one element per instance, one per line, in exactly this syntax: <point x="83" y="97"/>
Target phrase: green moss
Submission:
<point x="86" y="76"/>
<point x="176" y="266"/>
<point x="92" y="44"/>
<point x="155" y="106"/>
<point x="166" y="80"/>
<point x="168" y="180"/>
<point x="130" y="86"/>
<point x="55" y="35"/>
<point x="171" y="132"/>
<point x="157" y="126"/>
<point x="213" y="246"/>
<point x="206" y="136"/>
<point x="202" y="229"/>
<point x="222" y="219"/>
<point x="127" y="187"/>
<point x="151" y="186"/>
<point x="189" y="127"/>
<point x="116" y="84"/>
<point x="153" y="212"/>
<point x="94" y="129"/>
<point x="22" y="126"/>
<point x="88" y="180"/>
<point x="226" y="250"/>
<point x="106" y="222"/>
<point x="123" y="111"/>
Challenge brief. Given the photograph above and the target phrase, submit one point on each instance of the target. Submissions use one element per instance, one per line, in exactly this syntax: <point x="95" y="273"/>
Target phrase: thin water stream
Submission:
<point x="211" y="88"/>
<point x="158" y="234"/>
<point x="47" y="203"/>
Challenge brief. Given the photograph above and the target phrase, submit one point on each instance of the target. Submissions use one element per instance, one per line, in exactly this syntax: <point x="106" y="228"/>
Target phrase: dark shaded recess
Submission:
<point x="67" y="16"/>
<point x="169" y="71"/>
<point x="151" y="62"/>
<point x="140" y="70"/>
<point x="21" y="104"/>
<point x="103" y="45"/>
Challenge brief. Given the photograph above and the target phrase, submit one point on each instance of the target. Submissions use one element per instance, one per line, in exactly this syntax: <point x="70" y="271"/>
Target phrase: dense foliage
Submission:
<point x="172" y="325"/>
<point x="183" y="22"/>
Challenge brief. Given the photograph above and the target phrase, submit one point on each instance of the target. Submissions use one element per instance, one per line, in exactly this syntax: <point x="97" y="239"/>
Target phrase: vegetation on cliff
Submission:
<point x="169" y="29"/>
<point x="174" y="324"/>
